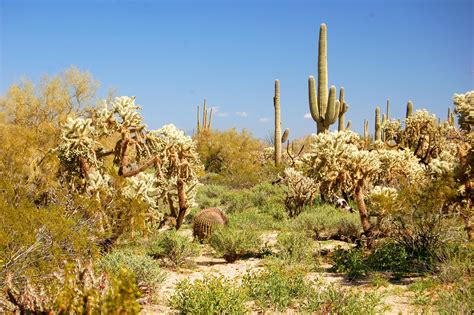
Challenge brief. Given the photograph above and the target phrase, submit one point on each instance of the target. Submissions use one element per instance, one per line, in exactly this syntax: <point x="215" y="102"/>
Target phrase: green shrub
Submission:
<point x="175" y="248"/>
<point x="296" y="248"/>
<point x="254" y="219"/>
<point x="351" y="261"/>
<point x="83" y="292"/>
<point x="456" y="263"/>
<point x="325" y="221"/>
<point x="419" y="221"/>
<point x="458" y="299"/>
<point x="333" y="300"/>
<point x="389" y="256"/>
<point x="212" y="295"/>
<point x="276" y="288"/>
<point x="232" y="243"/>
<point x="146" y="269"/>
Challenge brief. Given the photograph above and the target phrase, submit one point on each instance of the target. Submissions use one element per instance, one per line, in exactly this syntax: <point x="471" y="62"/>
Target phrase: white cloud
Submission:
<point x="264" y="120"/>
<point x="307" y="116"/>
<point x="242" y="114"/>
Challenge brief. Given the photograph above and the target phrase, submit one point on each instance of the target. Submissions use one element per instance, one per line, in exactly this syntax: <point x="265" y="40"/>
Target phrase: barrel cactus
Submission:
<point x="206" y="221"/>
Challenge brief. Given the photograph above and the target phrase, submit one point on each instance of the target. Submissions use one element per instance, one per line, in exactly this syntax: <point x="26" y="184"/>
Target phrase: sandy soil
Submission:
<point x="396" y="296"/>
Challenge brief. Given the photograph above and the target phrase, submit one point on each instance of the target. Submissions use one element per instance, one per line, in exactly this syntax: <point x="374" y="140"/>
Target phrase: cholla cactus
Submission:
<point x="465" y="110"/>
<point x="392" y="129"/>
<point x="179" y="169"/>
<point x="338" y="161"/>
<point x="301" y="191"/>
<point x="168" y="150"/>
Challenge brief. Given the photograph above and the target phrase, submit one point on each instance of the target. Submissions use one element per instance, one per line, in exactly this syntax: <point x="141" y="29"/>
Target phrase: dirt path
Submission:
<point x="396" y="296"/>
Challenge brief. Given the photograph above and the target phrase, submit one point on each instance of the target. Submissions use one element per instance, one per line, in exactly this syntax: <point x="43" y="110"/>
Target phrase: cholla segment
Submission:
<point x="464" y="107"/>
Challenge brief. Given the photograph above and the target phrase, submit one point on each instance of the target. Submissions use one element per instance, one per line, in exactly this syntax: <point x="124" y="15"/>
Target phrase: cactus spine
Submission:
<point x="277" y="139"/>
<point x="324" y="107"/>
<point x="378" y="123"/>
<point x="206" y="124"/>
<point x="343" y="109"/>
<point x="409" y="109"/>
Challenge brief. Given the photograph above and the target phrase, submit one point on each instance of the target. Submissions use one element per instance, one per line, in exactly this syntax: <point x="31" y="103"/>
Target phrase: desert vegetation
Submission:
<point x="100" y="214"/>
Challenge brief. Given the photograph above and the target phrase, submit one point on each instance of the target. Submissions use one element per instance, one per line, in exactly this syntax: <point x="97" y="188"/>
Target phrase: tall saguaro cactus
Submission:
<point x="378" y="123"/>
<point x="323" y="106"/>
<point x="388" y="108"/>
<point x="366" y="130"/>
<point x="277" y="139"/>
<point x="409" y="109"/>
<point x="206" y="124"/>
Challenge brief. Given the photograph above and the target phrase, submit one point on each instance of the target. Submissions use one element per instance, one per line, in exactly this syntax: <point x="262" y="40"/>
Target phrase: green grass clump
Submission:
<point x="296" y="249"/>
<point x="232" y="243"/>
<point x="211" y="295"/>
<point x="146" y="270"/>
<point x="276" y="288"/>
<point x="325" y="222"/>
<point x="334" y="300"/>
<point x="457" y="299"/>
<point x="173" y="249"/>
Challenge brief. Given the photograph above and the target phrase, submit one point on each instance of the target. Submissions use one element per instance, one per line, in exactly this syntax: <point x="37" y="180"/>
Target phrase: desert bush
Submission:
<point x="419" y="222"/>
<point x="36" y="241"/>
<point x="296" y="248"/>
<point x="456" y="263"/>
<point x="175" y="248"/>
<point x="146" y="270"/>
<point x="256" y="219"/>
<point x="458" y="299"/>
<point x="333" y="300"/>
<point x="325" y="221"/>
<point x="352" y="261"/>
<point x="389" y="256"/>
<point x="234" y="157"/>
<point x="232" y="243"/>
<point x="85" y="293"/>
<point x="275" y="289"/>
<point x="211" y="295"/>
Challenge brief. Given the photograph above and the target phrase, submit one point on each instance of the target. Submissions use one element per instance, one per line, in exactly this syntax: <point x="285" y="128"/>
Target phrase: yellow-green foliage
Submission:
<point x="233" y="243"/>
<point x="211" y="295"/>
<point x="84" y="292"/>
<point x="234" y="157"/>
<point x="35" y="241"/>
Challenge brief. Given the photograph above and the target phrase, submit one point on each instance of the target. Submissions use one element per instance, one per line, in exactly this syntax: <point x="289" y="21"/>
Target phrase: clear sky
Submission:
<point x="173" y="54"/>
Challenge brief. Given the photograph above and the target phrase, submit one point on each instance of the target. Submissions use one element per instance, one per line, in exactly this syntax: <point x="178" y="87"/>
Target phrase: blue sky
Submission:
<point x="173" y="54"/>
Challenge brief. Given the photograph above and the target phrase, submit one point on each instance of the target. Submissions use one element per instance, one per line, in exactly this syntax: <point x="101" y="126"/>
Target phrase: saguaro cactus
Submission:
<point x="324" y="107"/>
<point x="343" y="109"/>
<point x="206" y="124"/>
<point x="366" y="130"/>
<point x="388" y="109"/>
<point x="409" y="109"/>
<point x="378" y="123"/>
<point x="277" y="139"/>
